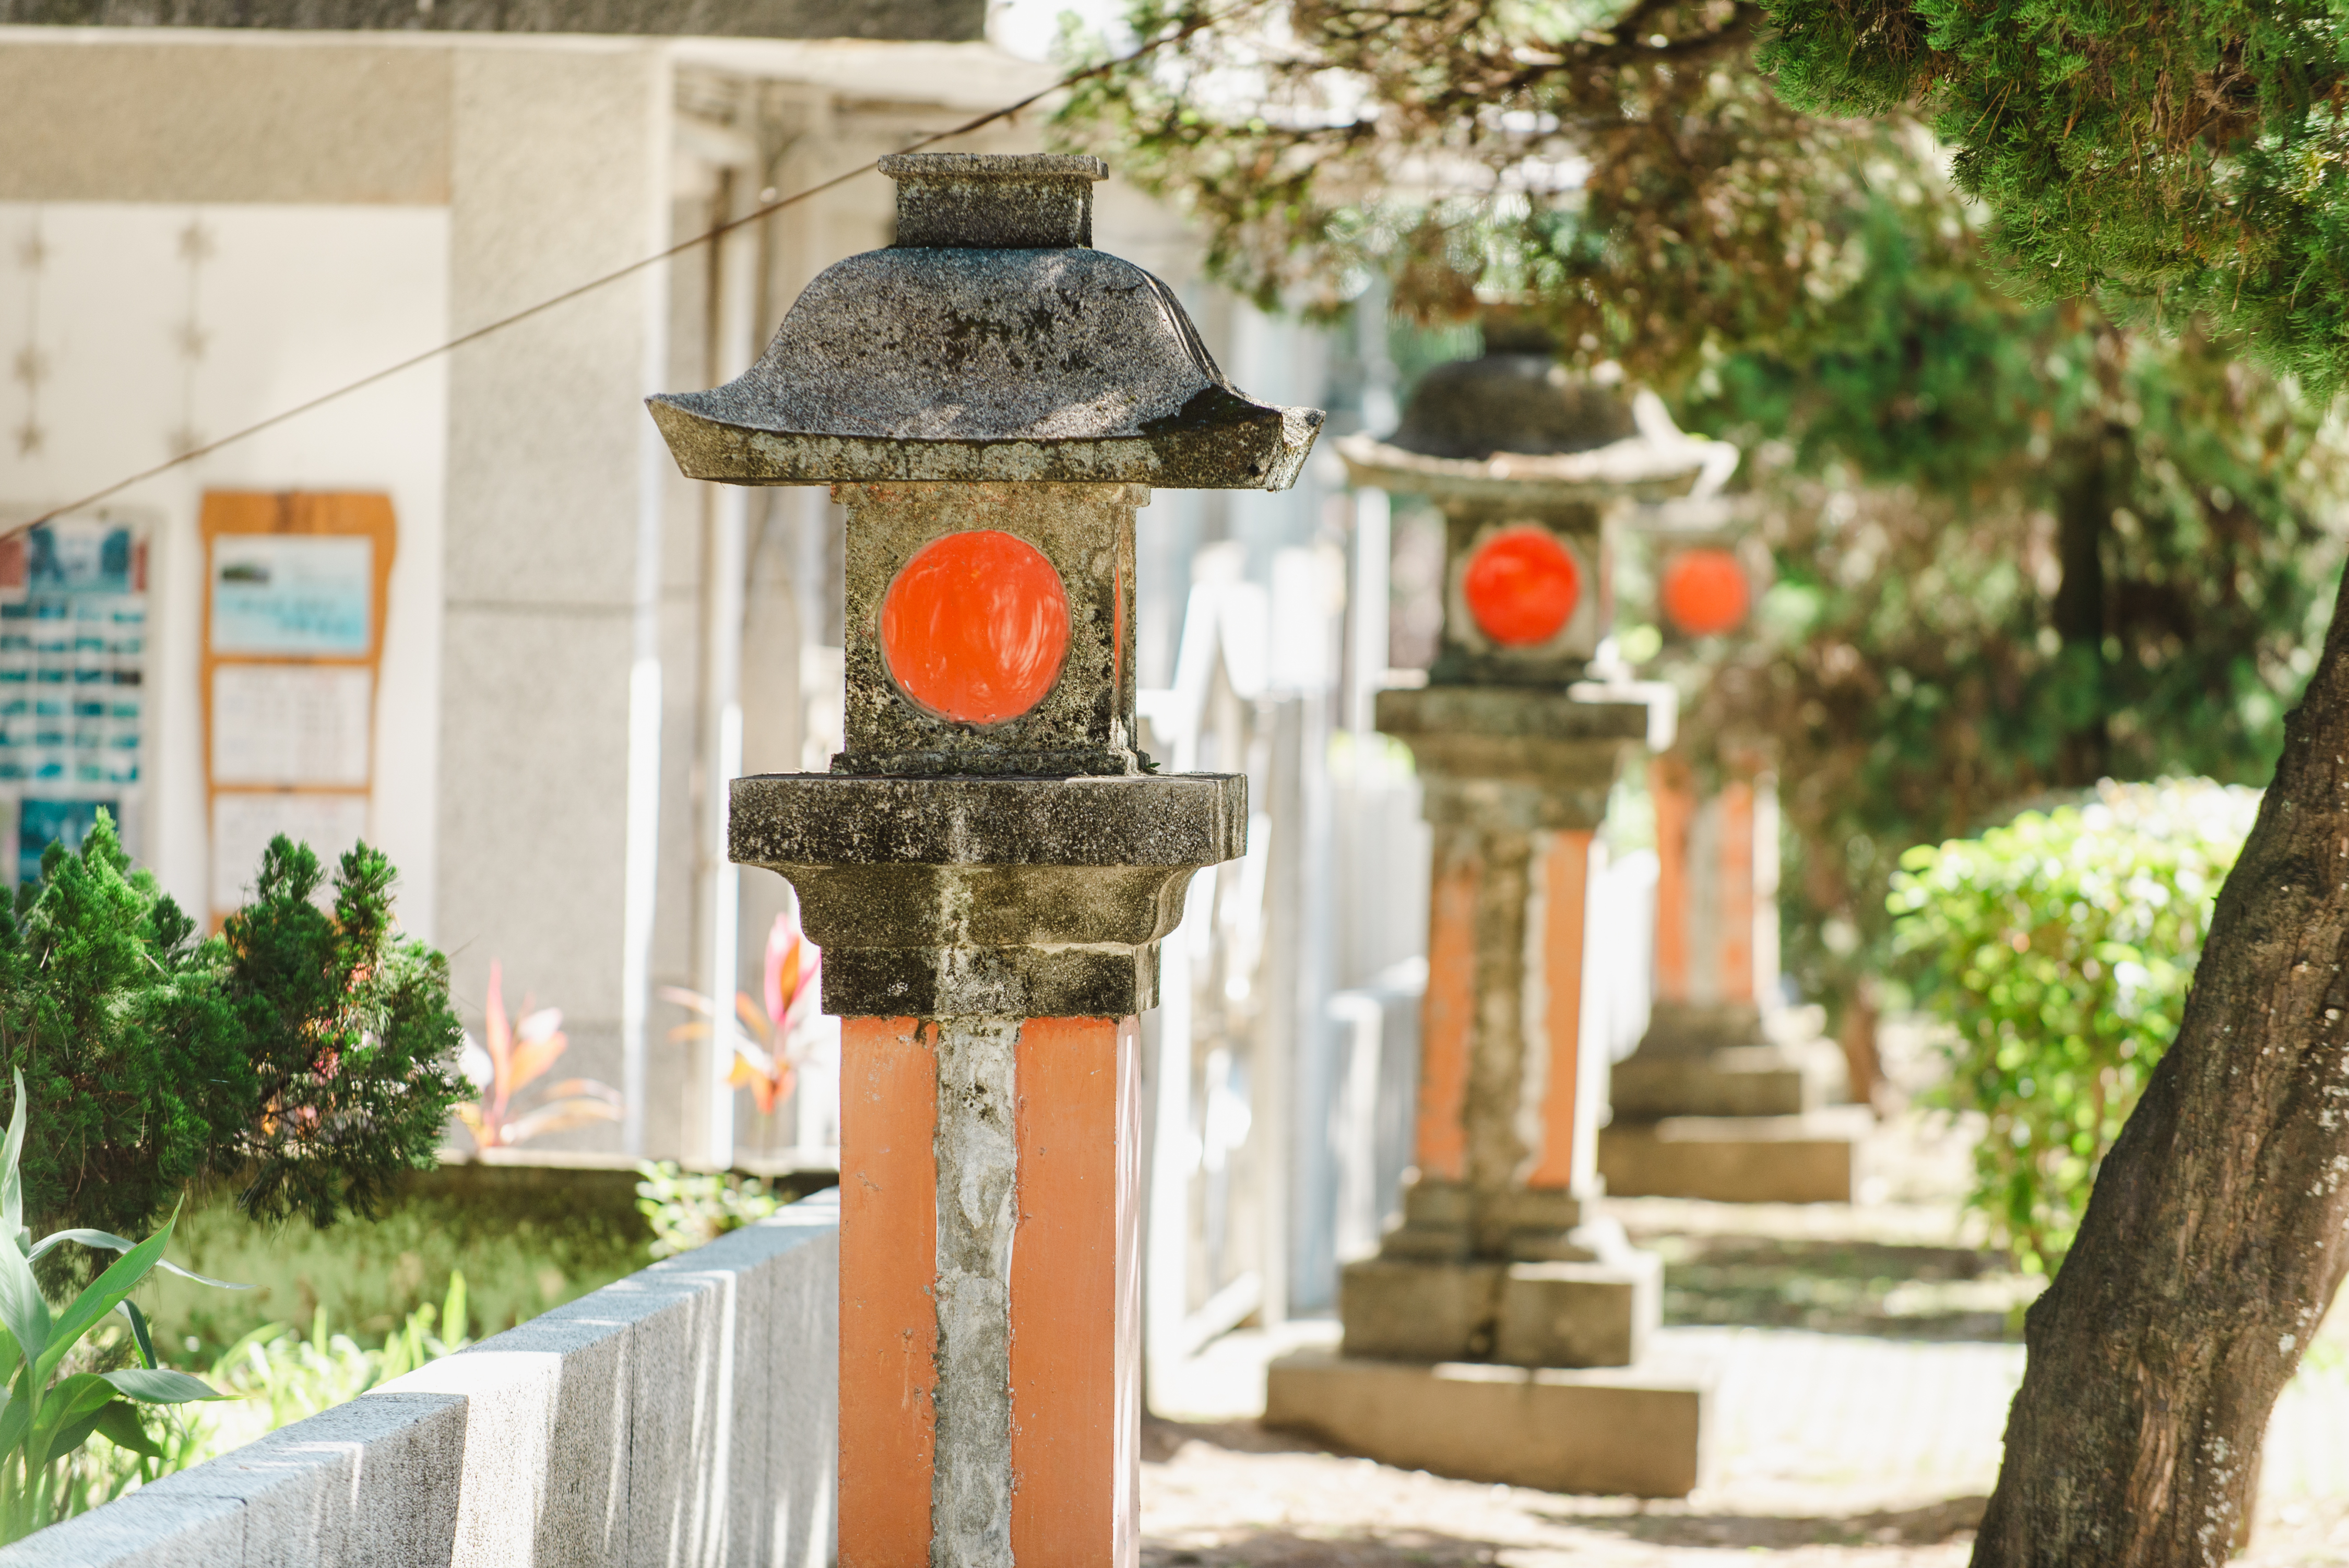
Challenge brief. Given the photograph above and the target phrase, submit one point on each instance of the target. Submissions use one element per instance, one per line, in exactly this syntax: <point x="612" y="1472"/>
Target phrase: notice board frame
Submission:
<point x="345" y="515"/>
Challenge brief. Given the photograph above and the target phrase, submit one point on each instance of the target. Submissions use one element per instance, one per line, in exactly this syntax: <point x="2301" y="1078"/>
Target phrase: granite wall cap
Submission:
<point x="992" y="343"/>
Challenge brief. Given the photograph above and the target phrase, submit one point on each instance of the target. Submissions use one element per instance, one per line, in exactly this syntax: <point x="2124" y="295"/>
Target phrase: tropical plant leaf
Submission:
<point x="162" y="1385"/>
<point x="74" y="1429"/>
<point x="119" y="1423"/>
<point x="62" y="1408"/>
<point x="12" y="1180"/>
<point x="560" y="1116"/>
<point x="23" y="1309"/>
<point x="109" y="1241"/>
<point x="99" y="1298"/>
<point x="138" y="1331"/>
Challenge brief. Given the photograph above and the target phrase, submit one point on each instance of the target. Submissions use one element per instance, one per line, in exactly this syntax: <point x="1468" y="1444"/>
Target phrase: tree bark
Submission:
<point x="2219" y="1229"/>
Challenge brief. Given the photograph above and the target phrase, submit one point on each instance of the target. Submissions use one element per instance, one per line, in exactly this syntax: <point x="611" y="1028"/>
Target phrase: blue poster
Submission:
<point x="293" y="596"/>
<point x="40" y="824"/>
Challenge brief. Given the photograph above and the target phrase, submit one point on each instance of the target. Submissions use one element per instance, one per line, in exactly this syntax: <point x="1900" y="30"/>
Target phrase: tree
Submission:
<point x="1666" y="209"/>
<point x="2218" y="1233"/>
<point x="1814" y="289"/>
<point x="1962" y="621"/>
<point x="2177" y="163"/>
<point x="302" y="1056"/>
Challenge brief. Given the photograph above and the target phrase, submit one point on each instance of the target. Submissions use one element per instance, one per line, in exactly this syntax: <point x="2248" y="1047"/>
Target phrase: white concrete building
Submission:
<point x="200" y="228"/>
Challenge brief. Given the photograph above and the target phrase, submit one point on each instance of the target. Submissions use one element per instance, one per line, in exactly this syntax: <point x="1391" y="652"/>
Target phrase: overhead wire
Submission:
<point x="980" y="122"/>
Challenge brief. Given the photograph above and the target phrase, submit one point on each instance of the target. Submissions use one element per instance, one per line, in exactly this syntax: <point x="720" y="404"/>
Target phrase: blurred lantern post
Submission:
<point x="1726" y="1098"/>
<point x="989" y="865"/>
<point x="1519" y="734"/>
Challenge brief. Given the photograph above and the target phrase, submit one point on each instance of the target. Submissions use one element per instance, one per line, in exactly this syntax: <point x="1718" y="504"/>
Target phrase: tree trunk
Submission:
<point x="2219" y="1229"/>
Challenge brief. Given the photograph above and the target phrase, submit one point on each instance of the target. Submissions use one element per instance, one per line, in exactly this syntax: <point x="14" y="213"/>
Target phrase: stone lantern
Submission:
<point x="991" y="863"/>
<point x="1728" y="1097"/>
<point x="1472" y="1340"/>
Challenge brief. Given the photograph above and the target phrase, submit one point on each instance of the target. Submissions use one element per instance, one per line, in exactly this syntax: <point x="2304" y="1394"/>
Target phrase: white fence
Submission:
<point x="686" y="1417"/>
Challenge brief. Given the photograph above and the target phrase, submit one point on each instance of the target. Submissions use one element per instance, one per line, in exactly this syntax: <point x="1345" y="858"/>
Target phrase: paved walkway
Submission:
<point x="1844" y="1449"/>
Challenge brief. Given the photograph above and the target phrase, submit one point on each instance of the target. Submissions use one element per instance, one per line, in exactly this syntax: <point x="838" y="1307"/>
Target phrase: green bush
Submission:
<point x="302" y="1055"/>
<point x="2060" y="948"/>
<point x="692" y="1209"/>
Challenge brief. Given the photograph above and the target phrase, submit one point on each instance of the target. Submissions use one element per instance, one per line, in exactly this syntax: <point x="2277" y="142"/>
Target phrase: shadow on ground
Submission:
<point x="1904" y="1291"/>
<point x="1280" y="1549"/>
<point x="1955" y="1518"/>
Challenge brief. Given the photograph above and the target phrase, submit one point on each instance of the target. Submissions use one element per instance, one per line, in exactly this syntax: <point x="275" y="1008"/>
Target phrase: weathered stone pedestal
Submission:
<point x="989" y="865"/>
<point x="1502" y="1332"/>
<point x="1727" y="1097"/>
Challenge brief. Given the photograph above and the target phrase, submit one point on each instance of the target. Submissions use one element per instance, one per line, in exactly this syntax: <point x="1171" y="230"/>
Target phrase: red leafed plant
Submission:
<point x="774" y="1040"/>
<point x="518" y="1053"/>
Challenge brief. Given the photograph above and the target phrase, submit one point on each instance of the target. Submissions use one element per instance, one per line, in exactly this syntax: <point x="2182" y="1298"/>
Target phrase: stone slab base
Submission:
<point x="1628" y="1432"/>
<point x="1810" y="1159"/>
<point x="1753" y="1080"/>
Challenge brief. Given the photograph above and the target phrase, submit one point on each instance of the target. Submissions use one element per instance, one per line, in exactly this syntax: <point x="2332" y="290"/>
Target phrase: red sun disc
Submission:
<point x="975" y="628"/>
<point x="1522" y="586"/>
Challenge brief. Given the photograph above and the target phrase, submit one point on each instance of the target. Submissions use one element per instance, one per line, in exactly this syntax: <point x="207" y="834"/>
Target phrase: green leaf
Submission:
<point x="99" y="1297"/>
<point x="138" y="1331"/>
<point x="119" y="1423"/>
<point x="12" y="1183"/>
<point x="63" y="1408"/>
<point x="109" y="1241"/>
<point x="162" y="1385"/>
<point x="74" y="1429"/>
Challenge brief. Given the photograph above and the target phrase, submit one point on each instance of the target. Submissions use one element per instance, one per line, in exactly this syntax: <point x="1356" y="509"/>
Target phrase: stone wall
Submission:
<point x="685" y="1415"/>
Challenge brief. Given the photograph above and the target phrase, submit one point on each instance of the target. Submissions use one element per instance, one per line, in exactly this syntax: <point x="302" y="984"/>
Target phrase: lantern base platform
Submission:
<point x="1636" y="1431"/>
<point x="1814" y="1158"/>
<point x="1723" y="1061"/>
<point x="1596" y="1311"/>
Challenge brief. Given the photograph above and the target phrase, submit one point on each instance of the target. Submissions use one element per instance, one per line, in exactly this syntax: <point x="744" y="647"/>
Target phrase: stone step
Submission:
<point x="1813" y="1158"/>
<point x="1634" y="1431"/>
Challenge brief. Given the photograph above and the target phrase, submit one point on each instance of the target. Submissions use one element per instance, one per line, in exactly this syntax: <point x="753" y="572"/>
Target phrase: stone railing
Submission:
<point x="685" y="1415"/>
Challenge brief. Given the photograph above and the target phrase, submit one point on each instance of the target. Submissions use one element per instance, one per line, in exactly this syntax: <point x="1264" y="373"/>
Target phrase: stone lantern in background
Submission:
<point x="1727" y="1096"/>
<point x="1500" y="1332"/>
<point x="991" y="863"/>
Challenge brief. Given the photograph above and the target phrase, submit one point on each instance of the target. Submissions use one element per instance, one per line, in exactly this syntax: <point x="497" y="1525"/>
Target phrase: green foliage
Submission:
<point x="271" y="1378"/>
<point x="2173" y="160"/>
<point x="50" y="1409"/>
<point x="689" y="1210"/>
<point x="1618" y="167"/>
<point x="2060" y="948"/>
<point x="351" y="1034"/>
<point x="282" y="1377"/>
<point x="1928" y="475"/>
<point x="302" y="1055"/>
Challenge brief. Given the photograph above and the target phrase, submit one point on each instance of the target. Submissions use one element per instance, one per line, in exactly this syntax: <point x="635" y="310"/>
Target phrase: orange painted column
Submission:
<point x="989" y="1291"/>
<point x="1567" y="1156"/>
<point x="888" y="1324"/>
<point x="1716" y="889"/>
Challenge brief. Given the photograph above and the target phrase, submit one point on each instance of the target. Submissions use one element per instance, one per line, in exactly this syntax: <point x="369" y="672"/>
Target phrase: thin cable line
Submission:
<point x="965" y="129"/>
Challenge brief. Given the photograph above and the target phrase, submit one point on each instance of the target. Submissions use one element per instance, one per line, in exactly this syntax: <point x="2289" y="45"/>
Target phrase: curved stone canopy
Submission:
<point x="983" y="360"/>
<point x="1516" y="424"/>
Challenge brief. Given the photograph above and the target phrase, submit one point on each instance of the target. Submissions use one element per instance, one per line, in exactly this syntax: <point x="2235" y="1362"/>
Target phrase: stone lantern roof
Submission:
<point x="1515" y="424"/>
<point x="990" y="343"/>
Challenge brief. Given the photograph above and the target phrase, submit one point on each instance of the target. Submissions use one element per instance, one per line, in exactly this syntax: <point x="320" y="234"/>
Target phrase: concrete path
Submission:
<point x="1840" y="1450"/>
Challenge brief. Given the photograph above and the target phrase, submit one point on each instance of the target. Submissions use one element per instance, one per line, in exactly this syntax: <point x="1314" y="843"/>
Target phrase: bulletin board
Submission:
<point x="297" y="584"/>
<point x="73" y="667"/>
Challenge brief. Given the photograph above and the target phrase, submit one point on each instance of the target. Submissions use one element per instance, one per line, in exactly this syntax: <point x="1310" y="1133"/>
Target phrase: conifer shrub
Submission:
<point x="305" y="1055"/>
